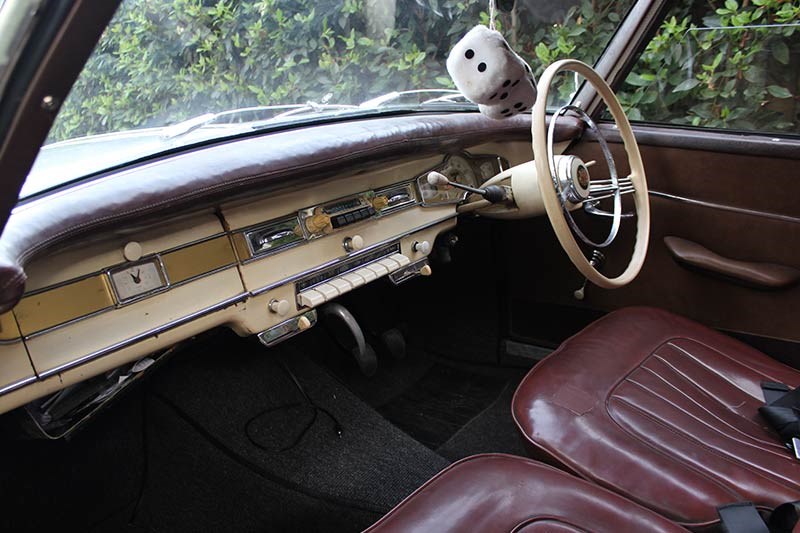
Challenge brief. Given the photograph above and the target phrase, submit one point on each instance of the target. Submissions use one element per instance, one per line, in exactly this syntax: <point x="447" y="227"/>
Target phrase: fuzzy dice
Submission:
<point x="489" y="73"/>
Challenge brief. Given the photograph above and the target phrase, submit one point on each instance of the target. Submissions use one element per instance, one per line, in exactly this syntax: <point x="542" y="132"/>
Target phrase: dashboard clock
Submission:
<point x="132" y="281"/>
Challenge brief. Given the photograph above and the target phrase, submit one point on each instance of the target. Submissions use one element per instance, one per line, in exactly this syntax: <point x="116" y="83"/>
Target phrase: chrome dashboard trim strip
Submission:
<point x="305" y="273"/>
<point x="145" y="335"/>
<point x="722" y="207"/>
<point x="11" y="387"/>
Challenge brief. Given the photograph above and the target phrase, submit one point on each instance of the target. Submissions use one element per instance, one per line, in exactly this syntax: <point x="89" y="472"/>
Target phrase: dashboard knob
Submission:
<point x="423" y="247"/>
<point x="353" y="244"/>
<point x="319" y="223"/>
<point x="132" y="251"/>
<point x="303" y="323"/>
<point x="425" y="270"/>
<point x="380" y="202"/>
<point x="280" y="307"/>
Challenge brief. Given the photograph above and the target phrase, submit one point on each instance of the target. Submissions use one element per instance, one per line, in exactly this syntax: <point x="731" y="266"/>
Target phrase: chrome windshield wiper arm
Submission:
<point x="187" y="126"/>
<point x="444" y="96"/>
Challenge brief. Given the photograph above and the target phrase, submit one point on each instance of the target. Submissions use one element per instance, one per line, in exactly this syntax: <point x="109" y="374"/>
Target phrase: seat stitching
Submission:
<point x="762" y="374"/>
<point x="672" y="430"/>
<point x="710" y="396"/>
<point x="783" y="457"/>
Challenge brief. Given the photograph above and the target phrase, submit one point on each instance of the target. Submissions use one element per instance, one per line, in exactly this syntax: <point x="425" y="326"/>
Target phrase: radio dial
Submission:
<point x="319" y="223"/>
<point x="380" y="202"/>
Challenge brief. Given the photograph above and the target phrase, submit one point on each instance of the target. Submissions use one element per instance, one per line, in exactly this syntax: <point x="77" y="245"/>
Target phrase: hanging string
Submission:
<point x="492" y="13"/>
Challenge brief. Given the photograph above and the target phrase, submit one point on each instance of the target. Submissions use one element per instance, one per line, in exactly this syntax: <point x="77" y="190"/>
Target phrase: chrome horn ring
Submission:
<point x="569" y="195"/>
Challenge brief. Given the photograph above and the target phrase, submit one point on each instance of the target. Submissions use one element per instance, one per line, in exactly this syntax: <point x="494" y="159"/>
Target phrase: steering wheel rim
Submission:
<point x="550" y="196"/>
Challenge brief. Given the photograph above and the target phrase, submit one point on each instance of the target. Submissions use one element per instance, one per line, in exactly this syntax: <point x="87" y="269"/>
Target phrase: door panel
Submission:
<point x="742" y="206"/>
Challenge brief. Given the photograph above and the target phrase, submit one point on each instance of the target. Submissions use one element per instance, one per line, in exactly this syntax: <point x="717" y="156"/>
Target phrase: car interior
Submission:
<point x="570" y="319"/>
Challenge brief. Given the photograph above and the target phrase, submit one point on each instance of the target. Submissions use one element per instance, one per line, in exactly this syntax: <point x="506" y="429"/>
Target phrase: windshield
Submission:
<point x="172" y="73"/>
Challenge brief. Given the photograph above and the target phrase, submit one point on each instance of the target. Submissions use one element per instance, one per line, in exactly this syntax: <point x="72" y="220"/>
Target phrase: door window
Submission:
<point x="721" y="64"/>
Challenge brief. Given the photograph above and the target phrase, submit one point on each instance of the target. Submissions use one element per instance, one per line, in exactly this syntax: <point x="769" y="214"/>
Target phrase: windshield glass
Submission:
<point x="172" y="73"/>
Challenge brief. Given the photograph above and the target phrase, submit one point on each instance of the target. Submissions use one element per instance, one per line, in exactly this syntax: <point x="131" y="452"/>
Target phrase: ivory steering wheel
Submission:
<point x="564" y="181"/>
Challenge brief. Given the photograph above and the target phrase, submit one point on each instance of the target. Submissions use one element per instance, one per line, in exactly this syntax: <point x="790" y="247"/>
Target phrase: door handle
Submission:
<point x="767" y="276"/>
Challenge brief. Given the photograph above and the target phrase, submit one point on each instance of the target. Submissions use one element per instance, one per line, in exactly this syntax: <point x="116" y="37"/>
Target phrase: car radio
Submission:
<point x="323" y="219"/>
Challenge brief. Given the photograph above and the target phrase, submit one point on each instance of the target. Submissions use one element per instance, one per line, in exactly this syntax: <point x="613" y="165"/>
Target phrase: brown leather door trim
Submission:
<point x="750" y="273"/>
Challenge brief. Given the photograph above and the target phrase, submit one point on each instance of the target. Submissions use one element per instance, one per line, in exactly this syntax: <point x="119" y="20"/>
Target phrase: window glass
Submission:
<point x="721" y="64"/>
<point x="171" y="73"/>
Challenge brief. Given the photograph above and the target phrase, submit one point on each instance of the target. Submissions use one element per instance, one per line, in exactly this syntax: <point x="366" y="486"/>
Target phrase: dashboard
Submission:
<point x="260" y="265"/>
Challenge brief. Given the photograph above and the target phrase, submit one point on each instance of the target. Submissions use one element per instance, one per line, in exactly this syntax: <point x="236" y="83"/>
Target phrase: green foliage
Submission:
<point x="164" y="61"/>
<point x="712" y="65"/>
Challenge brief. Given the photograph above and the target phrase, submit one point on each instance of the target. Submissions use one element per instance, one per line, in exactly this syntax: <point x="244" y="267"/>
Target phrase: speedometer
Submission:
<point x="457" y="168"/>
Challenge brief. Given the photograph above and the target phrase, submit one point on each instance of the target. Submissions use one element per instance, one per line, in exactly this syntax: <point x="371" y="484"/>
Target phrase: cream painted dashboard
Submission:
<point x="72" y="324"/>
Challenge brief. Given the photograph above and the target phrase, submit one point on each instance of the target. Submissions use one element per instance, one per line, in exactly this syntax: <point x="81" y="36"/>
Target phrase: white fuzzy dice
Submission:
<point x="489" y="73"/>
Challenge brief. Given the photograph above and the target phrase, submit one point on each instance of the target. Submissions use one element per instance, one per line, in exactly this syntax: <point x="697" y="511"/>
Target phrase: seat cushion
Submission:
<point x="496" y="492"/>
<point x="663" y="411"/>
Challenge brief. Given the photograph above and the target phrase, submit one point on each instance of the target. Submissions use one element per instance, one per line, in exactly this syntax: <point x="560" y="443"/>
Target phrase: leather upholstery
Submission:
<point x="750" y="273"/>
<point x="201" y="177"/>
<point x="663" y="411"/>
<point x="495" y="492"/>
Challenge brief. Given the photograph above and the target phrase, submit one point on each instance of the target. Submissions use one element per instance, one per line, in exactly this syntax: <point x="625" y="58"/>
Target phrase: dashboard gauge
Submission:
<point x="458" y="169"/>
<point x="443" y="194"/>
<point x="132" y="281"/>
<point x="489" y="169"/>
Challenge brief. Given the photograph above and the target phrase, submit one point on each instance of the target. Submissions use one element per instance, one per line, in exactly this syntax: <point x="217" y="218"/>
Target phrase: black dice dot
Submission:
<point x="521" y="109"/>
<point x="503" y="96"/>
<point x="518" y="105"/>
<point x="506" y="110"/>
<point x="515" y="83"/>
<point x="481" y="67"/>
<point x="469" y="54"/>
<point x="493" y="96"/>
<point x="506" y="83"/>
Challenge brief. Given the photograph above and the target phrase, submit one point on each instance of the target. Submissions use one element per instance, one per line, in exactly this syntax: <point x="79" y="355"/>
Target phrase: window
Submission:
<point x="721" y="64"/>
<point x="171" y="73"/>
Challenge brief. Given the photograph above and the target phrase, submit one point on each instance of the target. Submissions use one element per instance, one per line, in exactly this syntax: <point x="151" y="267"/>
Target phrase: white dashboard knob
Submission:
<point x="425" y="270"/>
<point x="303" y="323"/>
<point x="280" y="307"/>
<point x="354" y="243"/>
<point x="423" y="247"/>
<point x="132" y="251"/>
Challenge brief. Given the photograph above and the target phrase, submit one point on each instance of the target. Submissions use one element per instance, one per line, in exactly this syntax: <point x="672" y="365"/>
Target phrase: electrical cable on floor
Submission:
<point x="308" y="401"/>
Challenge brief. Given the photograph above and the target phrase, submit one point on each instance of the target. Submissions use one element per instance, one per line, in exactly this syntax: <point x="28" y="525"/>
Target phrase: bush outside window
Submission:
<point x="721" y="64"/>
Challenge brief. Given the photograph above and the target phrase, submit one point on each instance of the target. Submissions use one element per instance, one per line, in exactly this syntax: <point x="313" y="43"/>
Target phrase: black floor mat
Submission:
<point x="245" y="411"/>
<point x="444" y="400"/>
<point x="493" y="430"/>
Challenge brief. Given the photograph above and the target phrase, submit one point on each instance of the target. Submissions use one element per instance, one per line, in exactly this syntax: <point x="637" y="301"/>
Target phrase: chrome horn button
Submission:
<point x="573" y="177"/>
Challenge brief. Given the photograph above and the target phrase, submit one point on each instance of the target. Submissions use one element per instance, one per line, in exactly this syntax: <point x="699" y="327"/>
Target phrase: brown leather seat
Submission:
<point x="663" y="411"/>
<point x="497" y="492"/>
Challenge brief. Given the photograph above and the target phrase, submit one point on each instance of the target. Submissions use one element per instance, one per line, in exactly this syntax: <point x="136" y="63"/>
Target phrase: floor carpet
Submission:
<point x="232" y="412"/>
